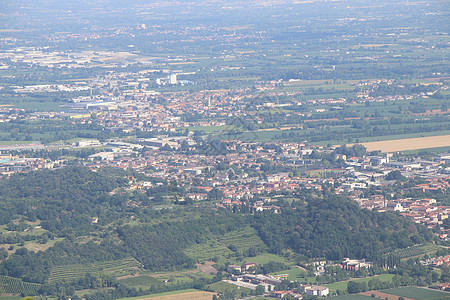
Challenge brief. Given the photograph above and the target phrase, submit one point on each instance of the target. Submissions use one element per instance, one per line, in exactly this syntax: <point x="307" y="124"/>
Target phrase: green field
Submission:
<point x="119" y="267"/>
<point x="418" y="293"/>
<point x="342" y="285"/>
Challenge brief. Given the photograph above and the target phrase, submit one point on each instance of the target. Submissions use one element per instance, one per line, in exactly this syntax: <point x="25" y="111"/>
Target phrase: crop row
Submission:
<point x="414" y="251"/>
<point x="205" y="251"/>
<point x="10" y="285"/>
<point x="71" y="272"/>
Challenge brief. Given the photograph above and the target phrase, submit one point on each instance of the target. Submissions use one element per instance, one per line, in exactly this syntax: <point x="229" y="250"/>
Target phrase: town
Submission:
<point x="224" y="150"/>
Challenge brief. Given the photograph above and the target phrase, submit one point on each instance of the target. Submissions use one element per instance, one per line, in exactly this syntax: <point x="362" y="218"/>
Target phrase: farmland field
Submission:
<point x="117" y="267"/>
<point x="382" y="295"/>
<point x="418" y="293"/>
<point x="409" y="144"/>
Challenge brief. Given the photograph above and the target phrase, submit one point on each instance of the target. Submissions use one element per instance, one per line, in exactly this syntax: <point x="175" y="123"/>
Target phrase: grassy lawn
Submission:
<point x="295" y="274"/>
<point x="342" y="285"/>
<point x="418" y="293"/>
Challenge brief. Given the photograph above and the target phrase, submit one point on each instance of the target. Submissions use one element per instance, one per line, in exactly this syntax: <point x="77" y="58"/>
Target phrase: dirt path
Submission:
<point x="301" y="268"/>
<point x="207" y="267"/>
<point x="382" y="295"/>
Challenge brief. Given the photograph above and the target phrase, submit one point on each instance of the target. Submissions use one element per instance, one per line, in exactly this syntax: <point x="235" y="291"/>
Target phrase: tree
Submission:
<point x="260" y="289"/>
<point x="395" y="175"/>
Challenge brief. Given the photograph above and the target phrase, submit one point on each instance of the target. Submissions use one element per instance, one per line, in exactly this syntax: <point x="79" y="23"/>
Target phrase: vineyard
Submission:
<point x="119" y="267"/>
<point x="10" y="285"/>
<point x="207" y="251"/>
<point x="413" y="251"/>
<point x="241" y="239"/>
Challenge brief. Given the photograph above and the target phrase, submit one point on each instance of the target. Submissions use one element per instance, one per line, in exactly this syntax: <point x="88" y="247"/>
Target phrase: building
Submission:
<point x="173" y="79"/>
<point x="281" y="276"/>
<point x="248" y="265"/>
<point x="318" y="291"/>
<point x="232" y="268"/>
<point x="355" y="264"/>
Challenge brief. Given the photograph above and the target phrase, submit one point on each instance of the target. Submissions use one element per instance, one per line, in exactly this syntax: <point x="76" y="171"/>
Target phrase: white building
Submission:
<point x="173" y="79"/>
<point x="318" y="291"/>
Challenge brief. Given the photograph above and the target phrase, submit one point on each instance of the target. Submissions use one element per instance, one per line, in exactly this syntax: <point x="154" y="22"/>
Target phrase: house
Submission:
<point x="107" y="156"/>
<point x="232" y="268"/>
<point x="248" y="265"/>
<point x="355" y="264"/>
<point x="318" y="291"/>
<point x="279" y="294"/>
<point x="281" y="276"/>
<point x="392" y="206"/>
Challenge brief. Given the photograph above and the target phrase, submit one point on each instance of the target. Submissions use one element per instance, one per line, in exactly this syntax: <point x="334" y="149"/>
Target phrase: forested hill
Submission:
<point x="63" y="202"/>
<point x="61" y="199"/>
<point x="334" y="226"/>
